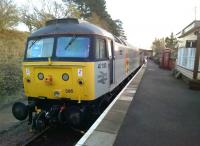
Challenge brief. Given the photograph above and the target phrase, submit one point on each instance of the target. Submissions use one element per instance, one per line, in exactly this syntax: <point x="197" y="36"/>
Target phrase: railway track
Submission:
<point x="32" y="138"/>
<point x="55" y="137"/>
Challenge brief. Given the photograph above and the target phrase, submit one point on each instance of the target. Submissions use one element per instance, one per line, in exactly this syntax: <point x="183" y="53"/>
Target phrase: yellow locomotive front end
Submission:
<point x="57" y="67"/>
<point x="59" y="80"/>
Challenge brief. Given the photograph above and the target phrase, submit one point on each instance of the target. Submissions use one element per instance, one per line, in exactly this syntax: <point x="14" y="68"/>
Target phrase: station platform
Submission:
<point x="165" y="112"/>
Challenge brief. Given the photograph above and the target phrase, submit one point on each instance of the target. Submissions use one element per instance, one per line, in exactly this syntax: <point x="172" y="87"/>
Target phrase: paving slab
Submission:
<point x="120" y="105"/>
<point x="111" y="122"/>
<point x="99" y="138"/>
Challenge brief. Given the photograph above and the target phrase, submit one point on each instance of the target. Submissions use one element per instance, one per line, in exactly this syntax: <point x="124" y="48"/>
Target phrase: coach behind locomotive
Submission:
<point x="69" y="67"/>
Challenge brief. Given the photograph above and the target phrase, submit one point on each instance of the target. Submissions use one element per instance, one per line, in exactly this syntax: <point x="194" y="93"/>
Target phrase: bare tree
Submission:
<point x="27" y="18"/>
<point x="37" y="17"/>
<point x="8" y="14"/>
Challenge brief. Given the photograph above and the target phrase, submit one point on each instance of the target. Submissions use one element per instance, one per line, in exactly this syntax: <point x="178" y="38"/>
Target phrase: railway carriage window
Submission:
<point x="40" y="48"/>
<point x="73" y="46"/>
<point x="120" y="52"/>
<point x="110" y="48"/>
<point x="101" y="49"/>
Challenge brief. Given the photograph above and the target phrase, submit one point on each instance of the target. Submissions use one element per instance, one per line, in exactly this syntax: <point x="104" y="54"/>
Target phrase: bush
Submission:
<point x="12" y="44"/>
<point x="10" y="78"/>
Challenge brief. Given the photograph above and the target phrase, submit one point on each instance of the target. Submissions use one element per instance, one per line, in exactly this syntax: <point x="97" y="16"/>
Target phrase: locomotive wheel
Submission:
<point x="72" y="116"/>
<point x="39" y="122"/>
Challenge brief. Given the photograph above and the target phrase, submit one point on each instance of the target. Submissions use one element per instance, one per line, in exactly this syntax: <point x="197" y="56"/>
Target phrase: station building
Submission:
<point x="188" y="58"/>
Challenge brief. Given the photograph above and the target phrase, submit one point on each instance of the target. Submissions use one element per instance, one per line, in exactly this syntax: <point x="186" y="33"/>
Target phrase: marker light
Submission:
<point x="80" y="82"/>
<point x="65" y="77"/>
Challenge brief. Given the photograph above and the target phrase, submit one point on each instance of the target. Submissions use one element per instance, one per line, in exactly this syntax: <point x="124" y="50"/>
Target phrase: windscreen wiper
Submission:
<point x="34" y="42"/>
<point x="70" y="42"/>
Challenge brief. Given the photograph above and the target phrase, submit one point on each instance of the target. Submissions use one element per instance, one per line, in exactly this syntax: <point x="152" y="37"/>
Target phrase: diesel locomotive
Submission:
<point x="70" y="67"/>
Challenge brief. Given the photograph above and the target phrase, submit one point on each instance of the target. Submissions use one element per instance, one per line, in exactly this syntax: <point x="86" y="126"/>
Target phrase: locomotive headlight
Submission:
<point x="65" y="77"/>
<point x="56" y="93"/>
<point x="40" y="76"/>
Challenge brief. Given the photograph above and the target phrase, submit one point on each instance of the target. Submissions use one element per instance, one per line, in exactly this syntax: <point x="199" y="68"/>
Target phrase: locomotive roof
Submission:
<point x="70" y="26"/>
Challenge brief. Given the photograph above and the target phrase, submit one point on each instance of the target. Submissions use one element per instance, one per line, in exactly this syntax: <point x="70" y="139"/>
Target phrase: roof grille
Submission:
<point x="64" y="20"/>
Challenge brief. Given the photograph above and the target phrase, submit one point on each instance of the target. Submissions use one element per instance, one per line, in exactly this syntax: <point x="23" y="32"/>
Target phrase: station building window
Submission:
<point x="186" y="57"/>
<point x="100" y="51"/>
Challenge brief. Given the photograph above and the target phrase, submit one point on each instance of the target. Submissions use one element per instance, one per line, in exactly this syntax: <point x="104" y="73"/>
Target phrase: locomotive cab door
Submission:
<point x="111" y="60"/>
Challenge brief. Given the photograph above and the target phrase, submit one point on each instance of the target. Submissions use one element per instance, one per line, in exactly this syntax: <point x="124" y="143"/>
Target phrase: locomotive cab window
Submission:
<point x="100" y="51"/>
<point x="73" y="46"/>
<point x="40" y="48"/>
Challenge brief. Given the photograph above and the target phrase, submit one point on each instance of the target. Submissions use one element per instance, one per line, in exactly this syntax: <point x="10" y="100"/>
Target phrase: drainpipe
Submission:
<point x="197" y="56"/>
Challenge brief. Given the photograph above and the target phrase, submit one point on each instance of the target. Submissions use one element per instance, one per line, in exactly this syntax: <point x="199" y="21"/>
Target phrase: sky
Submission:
<point x="145" y="20"/>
